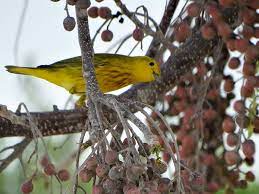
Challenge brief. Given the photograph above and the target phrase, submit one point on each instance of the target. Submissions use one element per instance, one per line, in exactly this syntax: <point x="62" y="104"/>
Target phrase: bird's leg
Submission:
<point x="81" y="101"/>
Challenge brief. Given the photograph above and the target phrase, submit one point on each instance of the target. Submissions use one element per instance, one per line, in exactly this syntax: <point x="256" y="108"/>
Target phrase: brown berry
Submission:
<point x="102" y="170"/>
<point x="91" y="163"/>
<point x="247" y="31"/>
<point x="208" y="159"/>
<point x="248" y="69"/>
<point x="63" y="175"/>
<point x="253" y="4"/>
<point x="248" y="148"/>
<point x="138" y="34"/>
<point x="97" y="189"/>
<point x="249" y="16"/>
<point x="26" y="187"/>
<point x="228" y="125"/>
<point x="93" y="12"/>
<point x="134" y="190"/>
<point x="107" y="35"/>
<point x="193" y="9"/>
<point x="224" y="29"/>
<point x="228" y="85"/>
<point x="105" y="12"/>
<point x="182" y="32"/>
<point x="231" y="44"/>
<point x="250" y="176"/>
<point x="109" y="186"/>
<point x="241" y="45"/>
<point x="213" y="187"/>
<point x="256" y="124"/>
<point x="69" y="23"/>
<point x="252" y="52"/>
<point x="251" y="82"/>
<point x="239" y="106"/>
<point x="242" y="184"/>
<point x="111" y="157"/>
<point x="44" y="161"/>
<point x="213" y="10"/>
<point x="232" y="139"/>
<point x="246" y="91"/>
<point x="208" y="32"/>
<point x="234" y="63"/>
<point x="232" y="157"/>
<point x="85" y="175"/>
<point x="164" y="185"/>
<point x="257" y="32"/>
<point x="49" y="169"/>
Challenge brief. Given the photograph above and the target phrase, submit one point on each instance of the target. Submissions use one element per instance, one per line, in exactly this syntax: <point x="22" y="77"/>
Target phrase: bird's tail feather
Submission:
<point x="20" y="70"/>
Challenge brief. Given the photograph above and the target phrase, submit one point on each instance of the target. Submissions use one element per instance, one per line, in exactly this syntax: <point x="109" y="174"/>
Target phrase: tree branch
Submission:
<point x="164" y="24"/>
<point x="72" y="121"/>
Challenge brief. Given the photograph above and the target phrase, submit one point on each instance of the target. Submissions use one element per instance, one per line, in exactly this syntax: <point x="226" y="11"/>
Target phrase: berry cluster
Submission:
<point x="95" y="12"/>
<point x="114" y="176"/>
<point x="211" y="139"/>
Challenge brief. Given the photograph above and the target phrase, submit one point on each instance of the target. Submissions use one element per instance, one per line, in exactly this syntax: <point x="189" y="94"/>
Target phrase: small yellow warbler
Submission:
<point x="113" y="72"/>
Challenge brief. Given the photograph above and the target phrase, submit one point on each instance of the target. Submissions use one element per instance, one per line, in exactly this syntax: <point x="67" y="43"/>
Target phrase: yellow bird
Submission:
<point x="113" y="72"/>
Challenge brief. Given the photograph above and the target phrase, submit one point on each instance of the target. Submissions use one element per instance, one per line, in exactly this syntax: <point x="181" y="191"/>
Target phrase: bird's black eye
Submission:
<point x="151" y="64"/>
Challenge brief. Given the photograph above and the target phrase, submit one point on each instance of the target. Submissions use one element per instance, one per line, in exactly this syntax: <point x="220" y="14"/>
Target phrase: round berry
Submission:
<point x="69" y="23"/>
<point x="228" y="85"/>
<point x="239" y="106"/>
<point x="105" y="12"/>
<point x="232" y="139"/>
<point x="250" y="176"/>
<point x="232" y="157"/>
<point x="44" y="161"/>
<point x="248" y="148"/>
<point x="224" y="29"/>
<point x="138" y="34"/>
<point x="85" y="175"/>
<point x="91" y="163"/>
<point x="193" y="9"/>
<point x="208" y="32"/>
<point x="49" y="169"/>
<point x="247" y="31"/>
<point x="111" y="157"/>
<point x="182" y="32"/>
<point x="27" y="187"/>
<point x="241" y="45"/>
<point x="228" y="125"/>
<point x="93" y="12"/>
<point x="102" y="170"/>
<point x="97" y="189"/>
<point x="107" y="35"/>
<point x="63" y="175"/>
<point x="234" y="63"/>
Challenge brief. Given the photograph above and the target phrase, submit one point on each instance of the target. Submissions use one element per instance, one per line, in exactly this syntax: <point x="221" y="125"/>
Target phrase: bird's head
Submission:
<point x="146" y="69"/>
